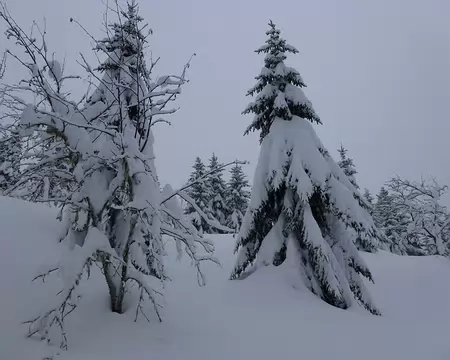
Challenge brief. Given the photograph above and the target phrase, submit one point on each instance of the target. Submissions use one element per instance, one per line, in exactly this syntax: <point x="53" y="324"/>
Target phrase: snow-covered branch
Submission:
<point x="95" y="158"/>
<point x="202" y="178"/>
<point x="429" y="219"/>
<point x="211" y="222"/>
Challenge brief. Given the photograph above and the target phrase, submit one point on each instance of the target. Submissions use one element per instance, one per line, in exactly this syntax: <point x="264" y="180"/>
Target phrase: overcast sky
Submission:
<point x="378" y="74"/>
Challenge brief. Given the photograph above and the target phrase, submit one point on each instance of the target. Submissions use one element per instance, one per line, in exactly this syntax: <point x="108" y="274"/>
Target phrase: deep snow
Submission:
<point x="261" y="317"/>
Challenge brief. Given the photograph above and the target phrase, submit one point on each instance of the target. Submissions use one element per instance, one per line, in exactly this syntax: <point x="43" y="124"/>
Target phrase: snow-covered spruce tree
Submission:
<point x="216" y="188"/>
<point x="346" y="164"/>
<point x="237" y="197"/>
<point x="391" y="221"/>
<point x="115" y="216"/>
<point x="369" y="199"/>
<point x="200" y="194"/>
<point x="303" y="207"/>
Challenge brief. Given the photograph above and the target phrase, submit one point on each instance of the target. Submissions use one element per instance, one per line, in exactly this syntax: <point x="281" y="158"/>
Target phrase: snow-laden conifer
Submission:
<point x="391" y="221"/>
<point x="275" y="79"/>
<point x="347" y="165"/>
<point x="369" y="199"/>
<point x="303" y="207"/>
<point x="216" y="188"/>
<point x="200" y="195"/>
<point x="237" y="197"/>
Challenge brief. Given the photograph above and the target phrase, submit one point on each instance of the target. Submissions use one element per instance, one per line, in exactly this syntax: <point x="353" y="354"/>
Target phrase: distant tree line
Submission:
<point x="225" y="202"/>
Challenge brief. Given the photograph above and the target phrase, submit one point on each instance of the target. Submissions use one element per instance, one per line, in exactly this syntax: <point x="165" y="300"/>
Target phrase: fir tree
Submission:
<point x="382" y="206"/>
<point x="346" y="164"/>
<point x="200" y="194"/>
<point x="276" y="79"/>
<point x="369" y="199"/>
<point x="300" y="204"/>
<point x="391" y="221"/>
<point x="237" y="197"/>
<point x="216" y="190"/>
<point x="368" y="196"/>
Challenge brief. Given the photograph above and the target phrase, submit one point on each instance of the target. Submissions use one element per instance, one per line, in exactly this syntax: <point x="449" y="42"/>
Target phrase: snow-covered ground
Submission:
<point x="262" y="317"/>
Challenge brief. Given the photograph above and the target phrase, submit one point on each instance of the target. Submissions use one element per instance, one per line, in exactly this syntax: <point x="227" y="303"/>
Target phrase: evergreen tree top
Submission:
<point x="276" y="49"/>
<point x="215" y="180"/>
<point x="347" y="165"/>
<point x="238" y="173"/>
<point x="278" y="88"/>
<point x="213" y="161"/>
<point x="384" y="193"/>
<point x="199" y="169"/>
<point x="198" y="163"/>
<point x="127" y="41"/>
<point x="238" y="181"/>
<point x="368" y="195"/>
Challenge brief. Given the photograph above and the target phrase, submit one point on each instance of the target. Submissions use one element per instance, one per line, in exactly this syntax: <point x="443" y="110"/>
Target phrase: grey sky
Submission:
<point x="378" y="74"/>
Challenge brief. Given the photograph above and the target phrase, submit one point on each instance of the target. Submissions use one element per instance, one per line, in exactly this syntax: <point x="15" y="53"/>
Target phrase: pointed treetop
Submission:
<point x="278" y="88"/>
<point x="126" y="41"/>
<point x="368" y="196"/>
<point x="347" y="165"/>
<point x="198" y="165"/>
<point x="275" y="47"/>
<point x="213" y="161"/>
<point x="132" y="12"/>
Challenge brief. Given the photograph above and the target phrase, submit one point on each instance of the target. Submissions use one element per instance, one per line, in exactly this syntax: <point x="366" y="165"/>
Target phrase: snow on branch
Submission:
<point x="211" y="222"/>
<point x="3" y="65"/>
<point x="95" y="158"/>
<point x="71" y="268"/>
<point x="429" y="219"/>
<point x="202" y="178"/>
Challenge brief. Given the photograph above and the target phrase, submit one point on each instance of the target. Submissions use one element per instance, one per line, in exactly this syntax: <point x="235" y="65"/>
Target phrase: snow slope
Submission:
<point x="262" y="317"/>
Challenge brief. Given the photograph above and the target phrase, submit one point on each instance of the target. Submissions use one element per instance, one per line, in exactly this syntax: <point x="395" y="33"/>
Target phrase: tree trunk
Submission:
<point x="116" y="285"/>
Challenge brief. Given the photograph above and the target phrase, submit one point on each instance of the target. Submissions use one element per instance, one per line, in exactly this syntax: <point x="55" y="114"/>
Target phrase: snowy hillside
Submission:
<point x="263" y="317"/>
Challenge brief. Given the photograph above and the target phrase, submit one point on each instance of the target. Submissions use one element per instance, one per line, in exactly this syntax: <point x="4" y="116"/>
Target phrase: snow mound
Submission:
<point x="215" y="321"/>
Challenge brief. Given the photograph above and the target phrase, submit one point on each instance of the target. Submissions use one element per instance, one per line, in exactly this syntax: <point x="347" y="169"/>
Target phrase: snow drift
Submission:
<point x="216" y="322"/>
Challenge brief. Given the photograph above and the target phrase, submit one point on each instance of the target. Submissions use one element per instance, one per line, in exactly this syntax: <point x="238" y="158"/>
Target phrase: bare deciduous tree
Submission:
<point x="94" y="158"/>
<point x="429" y="219"/>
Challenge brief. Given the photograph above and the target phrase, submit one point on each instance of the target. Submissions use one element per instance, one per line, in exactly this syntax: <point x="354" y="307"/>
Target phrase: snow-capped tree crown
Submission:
<point x="278" y="88"/>
<point x="368" y="196"/>
<point x="127" y="40"/>
<point x="391" y="221"/>
<point x="199" y="194"/>
<point x="347" y="165"/>
<point x="216" y="178"/>
<point x="237" y="197"/>
<point x="217" y="189"/>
